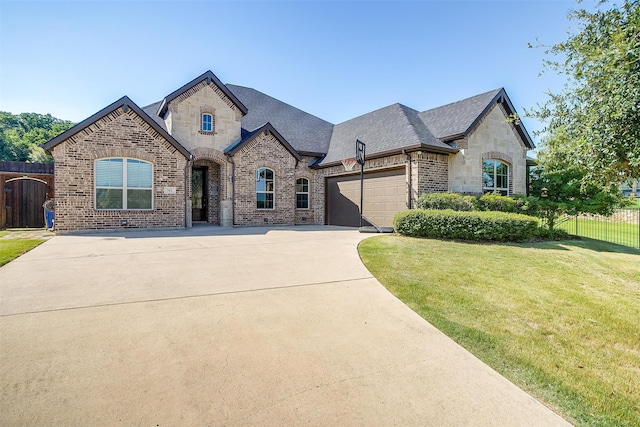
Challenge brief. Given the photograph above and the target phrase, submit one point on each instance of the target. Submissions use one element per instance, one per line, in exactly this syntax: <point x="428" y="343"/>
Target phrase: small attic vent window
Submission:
<point x="207" y="122"/>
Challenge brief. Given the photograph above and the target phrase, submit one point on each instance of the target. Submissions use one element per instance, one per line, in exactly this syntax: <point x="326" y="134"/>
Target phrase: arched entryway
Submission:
<point x="205" y="191"/>
<point x="24" y="199"/>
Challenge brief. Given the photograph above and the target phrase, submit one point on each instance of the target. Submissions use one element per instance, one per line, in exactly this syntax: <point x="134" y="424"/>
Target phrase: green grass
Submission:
<point x="559" y="319"/>
<point x="11" y="249"/>
<point x="609" y="231"/>
<point x="635" y="204"/>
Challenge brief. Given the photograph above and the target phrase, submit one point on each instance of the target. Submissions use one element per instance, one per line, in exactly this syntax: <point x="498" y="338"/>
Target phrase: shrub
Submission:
<point x="496" y="202"/>
<point x="478" y="226"/>
<point x="453" y="201"/>
<point x="553" y="234"/>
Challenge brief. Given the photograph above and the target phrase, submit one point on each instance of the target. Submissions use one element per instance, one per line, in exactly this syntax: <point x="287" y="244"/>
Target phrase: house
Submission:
<point x="231" y="155"/>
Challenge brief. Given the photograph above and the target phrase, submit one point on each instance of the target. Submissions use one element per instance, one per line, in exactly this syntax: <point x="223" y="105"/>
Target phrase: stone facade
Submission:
<point x="118" y="134"/>
<point x="183" y="120"/>
<point x="494" y="138"/>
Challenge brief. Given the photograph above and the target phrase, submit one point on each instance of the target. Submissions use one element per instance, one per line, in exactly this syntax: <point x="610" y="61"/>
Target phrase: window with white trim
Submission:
<point x="495" y="177"/>
<point x="207" y="122"/>
<point x="265" y="188"/>
<point x="302" y="193"/>
<point x="123" y="183"/>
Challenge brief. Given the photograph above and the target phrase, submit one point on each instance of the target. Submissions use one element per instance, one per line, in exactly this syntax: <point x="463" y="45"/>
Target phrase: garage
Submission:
<point x="385" y="193"/>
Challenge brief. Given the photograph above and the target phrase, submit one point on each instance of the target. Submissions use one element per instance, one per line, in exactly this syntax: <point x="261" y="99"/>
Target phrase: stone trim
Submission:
<point x="497" y="155"/>
<point x="173" y="105"/>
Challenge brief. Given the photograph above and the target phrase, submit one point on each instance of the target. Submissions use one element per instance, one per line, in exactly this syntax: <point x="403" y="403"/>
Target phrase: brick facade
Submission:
<point x="118" y="134"/>
<point x="426" y="172"/>
<point x="266" y="151"/>
<point x="231" y="177"/>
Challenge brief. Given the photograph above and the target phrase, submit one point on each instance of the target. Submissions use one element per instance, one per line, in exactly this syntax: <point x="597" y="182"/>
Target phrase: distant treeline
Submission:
<point x="21" y="135"/>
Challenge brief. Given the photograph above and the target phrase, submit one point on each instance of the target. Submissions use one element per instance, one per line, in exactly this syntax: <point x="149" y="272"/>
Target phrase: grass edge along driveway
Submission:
<point x="11" y="249"/>
<point x="558" y="319"/>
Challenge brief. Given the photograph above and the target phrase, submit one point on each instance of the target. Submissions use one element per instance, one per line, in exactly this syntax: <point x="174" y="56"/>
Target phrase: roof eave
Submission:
<point x="125" y="101"/>
<point x="500" y="98"/>
<point x="209" y="76"/>
<point x="268" y="128"/>
<point x="396" y="151"/>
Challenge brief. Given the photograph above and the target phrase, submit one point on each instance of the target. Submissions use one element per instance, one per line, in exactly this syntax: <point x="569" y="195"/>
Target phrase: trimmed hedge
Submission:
<point x="478" y="226"/>
<point x="454" y="201"/>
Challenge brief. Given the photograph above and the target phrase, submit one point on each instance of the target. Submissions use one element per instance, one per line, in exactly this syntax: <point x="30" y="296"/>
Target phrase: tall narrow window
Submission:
<point x="265" y="188"/>
<point x="207" y="122"/>
<point x="302" y="193"/>
<point x="123" y="183"/>
<point x="495" y="177"/>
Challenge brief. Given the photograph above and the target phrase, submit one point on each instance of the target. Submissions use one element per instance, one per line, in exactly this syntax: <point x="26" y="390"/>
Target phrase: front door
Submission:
<point x="199" y="211"/>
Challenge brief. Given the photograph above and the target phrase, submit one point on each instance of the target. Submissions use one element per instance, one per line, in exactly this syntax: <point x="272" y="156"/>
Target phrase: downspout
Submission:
<point x="410" y="190"/>
<point x="187" y="207"/>
<point x="233" y="190"/>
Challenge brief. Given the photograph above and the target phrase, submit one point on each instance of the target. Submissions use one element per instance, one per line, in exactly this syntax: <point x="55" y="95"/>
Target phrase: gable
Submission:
<point x="459" y="119"/>
<point x="123" y="105"/>
<point x="494" y="125"/>
<point x="266" y="130"/>
<point x="195" y="85"/>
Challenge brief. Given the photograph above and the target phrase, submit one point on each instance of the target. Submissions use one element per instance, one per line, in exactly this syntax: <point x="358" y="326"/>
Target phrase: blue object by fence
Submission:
<point x="48" y="216"/>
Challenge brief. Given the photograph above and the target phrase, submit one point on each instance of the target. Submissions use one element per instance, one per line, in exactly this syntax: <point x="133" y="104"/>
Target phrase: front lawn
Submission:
<point x="11" y="249"/>
<point x="559" y="319"/>
<point x="609" y="231"/>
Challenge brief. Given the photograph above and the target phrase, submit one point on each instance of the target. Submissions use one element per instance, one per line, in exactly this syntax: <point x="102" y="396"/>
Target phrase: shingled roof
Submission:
<point x="306" y="133"/>
<point x="458" y="119"/>
<point x="126" y="104"/>
<point x="385" y="131"/>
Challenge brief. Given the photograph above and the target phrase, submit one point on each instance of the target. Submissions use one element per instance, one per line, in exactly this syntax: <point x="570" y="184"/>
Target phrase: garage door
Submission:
<point x="385" y="193"/>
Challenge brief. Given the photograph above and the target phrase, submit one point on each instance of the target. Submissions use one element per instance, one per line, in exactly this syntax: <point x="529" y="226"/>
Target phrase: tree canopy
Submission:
<point x="22" y="134"/>
<point x="594" y="121"/>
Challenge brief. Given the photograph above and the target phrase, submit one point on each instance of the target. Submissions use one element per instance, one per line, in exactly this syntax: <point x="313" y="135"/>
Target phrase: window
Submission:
<point x="302" y="193"/>
<point x="207" y="122"/>
<point x="495" y="177"/>
<point x="123" y="183"/>
<point x="264" y="188"/>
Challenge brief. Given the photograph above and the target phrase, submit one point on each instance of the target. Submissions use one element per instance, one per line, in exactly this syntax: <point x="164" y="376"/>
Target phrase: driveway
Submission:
<point x="220" y="326"/>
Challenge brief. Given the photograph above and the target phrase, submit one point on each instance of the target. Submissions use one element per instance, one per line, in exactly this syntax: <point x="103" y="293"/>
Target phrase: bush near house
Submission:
<point x="478" y="226"/>
<point x="453" y="201"/>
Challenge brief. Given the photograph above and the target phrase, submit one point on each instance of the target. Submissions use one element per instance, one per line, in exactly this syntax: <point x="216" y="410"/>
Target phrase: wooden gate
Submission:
<point x="24" y="197"/>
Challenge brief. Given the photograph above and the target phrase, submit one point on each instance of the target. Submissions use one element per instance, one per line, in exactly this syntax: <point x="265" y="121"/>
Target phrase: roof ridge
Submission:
<point x="279" y="101"/>
<point x="464" y="99"/>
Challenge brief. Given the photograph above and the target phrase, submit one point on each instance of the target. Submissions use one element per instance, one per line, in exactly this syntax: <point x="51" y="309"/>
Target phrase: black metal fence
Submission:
<point x="622" y="228"/>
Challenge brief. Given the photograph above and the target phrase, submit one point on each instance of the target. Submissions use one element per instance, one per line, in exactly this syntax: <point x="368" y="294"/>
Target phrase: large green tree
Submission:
<point x="597" y="112"/>
<point x="22" y="134"/>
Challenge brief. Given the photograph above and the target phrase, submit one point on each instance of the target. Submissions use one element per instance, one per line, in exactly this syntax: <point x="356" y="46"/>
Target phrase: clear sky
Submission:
<point x="334" y="59"/>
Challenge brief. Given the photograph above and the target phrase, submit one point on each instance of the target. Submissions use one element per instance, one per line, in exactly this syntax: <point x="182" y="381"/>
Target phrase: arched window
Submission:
<point x="207" y="122"/>
<point x="123" y="183"/>
<point x="302" y="193"/>
<point x="265" y="188"/>
<point x="495" y="177"/>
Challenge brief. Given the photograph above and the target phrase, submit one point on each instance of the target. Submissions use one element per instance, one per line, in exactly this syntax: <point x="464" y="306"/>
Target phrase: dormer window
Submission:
<point x="207" y="122"/>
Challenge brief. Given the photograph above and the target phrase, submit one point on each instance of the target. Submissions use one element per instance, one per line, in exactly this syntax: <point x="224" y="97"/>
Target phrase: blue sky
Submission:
<point x="334" y="59"/>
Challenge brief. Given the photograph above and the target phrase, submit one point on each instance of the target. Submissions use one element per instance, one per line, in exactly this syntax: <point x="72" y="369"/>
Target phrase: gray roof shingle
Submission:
<point x="388" y="129"/>
<point x="455" y="119"/>
<point x="152" y="111"/>
<point x="305" y="132"/>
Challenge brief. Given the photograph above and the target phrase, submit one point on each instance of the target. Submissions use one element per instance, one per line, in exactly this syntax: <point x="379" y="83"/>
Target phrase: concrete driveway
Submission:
<point x="218" y="326"/>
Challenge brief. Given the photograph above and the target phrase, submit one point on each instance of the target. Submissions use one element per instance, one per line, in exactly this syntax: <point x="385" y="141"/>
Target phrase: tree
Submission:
<point x="598" y="110"/>
<point x="563" y="191"/>
<point x="21" y="135"/>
